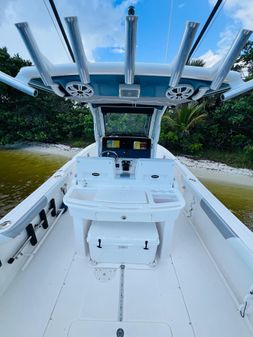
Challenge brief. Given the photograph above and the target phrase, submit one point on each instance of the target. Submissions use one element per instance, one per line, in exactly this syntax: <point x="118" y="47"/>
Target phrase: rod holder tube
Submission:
<point x="230" y="58"/>
<point x="35" y="53"/>
<point x="13" y="82"/>
<point x="78" y="50"/>
<point x="241" y="89"/>
<point x="131" y="32"/>
<point x="184" y="50"/>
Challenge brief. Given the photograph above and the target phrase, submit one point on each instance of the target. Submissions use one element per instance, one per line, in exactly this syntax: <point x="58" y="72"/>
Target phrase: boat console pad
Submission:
<point x="127" y="147"/>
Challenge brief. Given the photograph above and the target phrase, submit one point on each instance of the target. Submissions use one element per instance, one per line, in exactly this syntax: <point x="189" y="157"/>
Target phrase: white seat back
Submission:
<point x="94" y="168"/>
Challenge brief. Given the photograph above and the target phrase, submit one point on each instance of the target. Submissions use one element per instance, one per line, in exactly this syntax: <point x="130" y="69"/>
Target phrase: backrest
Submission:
<point x="159" y="171"/>
<point x="94" y="168"/>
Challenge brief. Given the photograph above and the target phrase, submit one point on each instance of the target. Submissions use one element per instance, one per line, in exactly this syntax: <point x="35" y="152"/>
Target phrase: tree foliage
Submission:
<point x="192" y="129"/>
<point x="196" y="63"/>
<point x="46" y="118"/>
<point x="179" y="128"/>
<point x="244" y="62"/>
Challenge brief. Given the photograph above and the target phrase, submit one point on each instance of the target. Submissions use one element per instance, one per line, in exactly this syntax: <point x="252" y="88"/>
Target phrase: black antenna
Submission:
<point x="208" y="21"/>
<point x="58" y="19"/>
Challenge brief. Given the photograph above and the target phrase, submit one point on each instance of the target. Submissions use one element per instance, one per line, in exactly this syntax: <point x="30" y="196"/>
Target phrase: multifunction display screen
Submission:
<point x="113" y="144"/>
<point x="140" y="145"/>
<point x="128" y="147"/>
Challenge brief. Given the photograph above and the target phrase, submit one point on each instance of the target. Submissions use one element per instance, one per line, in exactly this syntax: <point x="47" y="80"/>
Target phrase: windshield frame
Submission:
<point x="118" y="110"/>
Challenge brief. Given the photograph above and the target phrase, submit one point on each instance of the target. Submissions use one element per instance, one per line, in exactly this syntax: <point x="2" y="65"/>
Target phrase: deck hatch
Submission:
<point x="219" y="223"/>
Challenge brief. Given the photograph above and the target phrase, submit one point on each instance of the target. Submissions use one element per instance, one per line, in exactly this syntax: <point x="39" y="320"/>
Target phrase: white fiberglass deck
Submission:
<point x="59" y="295"/>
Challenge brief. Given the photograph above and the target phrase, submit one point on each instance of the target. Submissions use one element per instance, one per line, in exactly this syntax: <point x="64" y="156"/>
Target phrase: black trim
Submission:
<point x="43" y="217"/>
<point x="64" y="207"/>
<point x="31" y="233"/>
<point x="203" y="30"/>
<point x="52" y="206"/>
<point x="127" y="109"/>
<point x="57" y="17"/>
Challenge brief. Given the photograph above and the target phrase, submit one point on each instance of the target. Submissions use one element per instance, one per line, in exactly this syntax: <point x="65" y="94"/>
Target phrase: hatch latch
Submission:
<point x="146" y="245"/>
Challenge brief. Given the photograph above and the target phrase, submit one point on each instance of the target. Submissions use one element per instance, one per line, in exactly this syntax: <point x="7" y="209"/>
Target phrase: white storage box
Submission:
<point x="127" y="242"/>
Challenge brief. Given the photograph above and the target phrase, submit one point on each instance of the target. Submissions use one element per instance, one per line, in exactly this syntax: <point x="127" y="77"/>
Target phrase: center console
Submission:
<point x="114" y="199"/>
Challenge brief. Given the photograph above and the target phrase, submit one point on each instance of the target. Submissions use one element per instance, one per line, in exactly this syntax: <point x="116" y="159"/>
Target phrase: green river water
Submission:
<point x="22" y="172"/>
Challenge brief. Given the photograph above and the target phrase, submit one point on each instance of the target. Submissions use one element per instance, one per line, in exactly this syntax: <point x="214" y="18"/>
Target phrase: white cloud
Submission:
<point x="239" y="10"/>
<point x="118" y="50"/>
<point x="210" y="58"/>
<point x="225" y="42"/>
<point x="242" y="14"/>
<point x="101" y="24"/>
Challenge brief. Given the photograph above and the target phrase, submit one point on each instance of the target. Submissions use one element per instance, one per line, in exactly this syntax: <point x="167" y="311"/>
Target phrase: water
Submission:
<point x="22" y="172"/>
<point x="237" y="198"/>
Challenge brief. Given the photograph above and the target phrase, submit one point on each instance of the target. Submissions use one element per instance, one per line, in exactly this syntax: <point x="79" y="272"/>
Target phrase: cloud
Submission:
<point x="118" y="50"/>
<point x="226" y="39"/>
<point x="210" y="58"/>
<point x="181" y="5"/>
<point x="101" y="24"/>
<point x="5" y="5"/>
<point x="240" y="11"/>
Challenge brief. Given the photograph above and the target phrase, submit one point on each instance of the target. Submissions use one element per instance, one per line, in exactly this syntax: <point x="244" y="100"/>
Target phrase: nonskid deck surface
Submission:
<point x="60" y="294"/>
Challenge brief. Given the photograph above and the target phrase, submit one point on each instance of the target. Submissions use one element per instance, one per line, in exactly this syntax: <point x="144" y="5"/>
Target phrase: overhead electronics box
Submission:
<point x="129" y="90"/>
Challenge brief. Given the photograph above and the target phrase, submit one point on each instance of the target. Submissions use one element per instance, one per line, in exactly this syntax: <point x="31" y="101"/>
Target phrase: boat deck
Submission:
<point x="60" y="294"/>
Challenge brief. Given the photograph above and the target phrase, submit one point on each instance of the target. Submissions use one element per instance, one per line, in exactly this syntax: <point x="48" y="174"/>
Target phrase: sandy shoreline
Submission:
<point x="203" y="169"/>
<point x="210" y="170"/>
<point x="44" y="148"/>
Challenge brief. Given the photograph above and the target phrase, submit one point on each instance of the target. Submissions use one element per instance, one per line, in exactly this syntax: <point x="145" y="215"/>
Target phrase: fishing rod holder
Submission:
<point x="184" y="50"/>
<point x="42" y="64"/>
<point x="230" y="58"/>
<point x="13" y="82"/>
<point x="78" y="50"/>
<point x="131" y="32"/>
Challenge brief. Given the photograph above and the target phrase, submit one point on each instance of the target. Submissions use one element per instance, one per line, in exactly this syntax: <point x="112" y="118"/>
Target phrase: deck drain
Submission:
<point x="120" y="333"/>
<point x="104" y="274"/>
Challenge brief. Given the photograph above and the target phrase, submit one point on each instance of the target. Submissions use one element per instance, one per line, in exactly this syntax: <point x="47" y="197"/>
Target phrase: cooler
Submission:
<point x="124" y="243"/>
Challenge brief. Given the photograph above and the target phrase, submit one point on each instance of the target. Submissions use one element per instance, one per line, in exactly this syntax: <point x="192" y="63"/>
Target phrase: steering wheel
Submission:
<point x="111" y="154"/>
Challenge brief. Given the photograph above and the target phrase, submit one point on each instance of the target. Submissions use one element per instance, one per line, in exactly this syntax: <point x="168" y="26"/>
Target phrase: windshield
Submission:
<point x="127" y="124"/>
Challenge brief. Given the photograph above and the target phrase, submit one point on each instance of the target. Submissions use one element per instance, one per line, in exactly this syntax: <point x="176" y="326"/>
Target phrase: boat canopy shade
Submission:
<point x="104" y="88"/>
<point x="131" y="82"/>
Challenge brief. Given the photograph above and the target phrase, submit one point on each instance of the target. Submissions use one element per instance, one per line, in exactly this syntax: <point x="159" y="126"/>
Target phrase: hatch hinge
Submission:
<point x="246" y="308"/>
<point x="190" y="208"/>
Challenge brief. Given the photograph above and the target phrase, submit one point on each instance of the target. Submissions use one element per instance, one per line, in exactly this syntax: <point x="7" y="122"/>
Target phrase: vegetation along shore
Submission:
<point x="212" y="130"/>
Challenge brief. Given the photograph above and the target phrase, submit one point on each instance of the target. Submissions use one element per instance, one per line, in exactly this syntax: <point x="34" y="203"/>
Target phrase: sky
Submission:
<point x="161" y="24"/>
